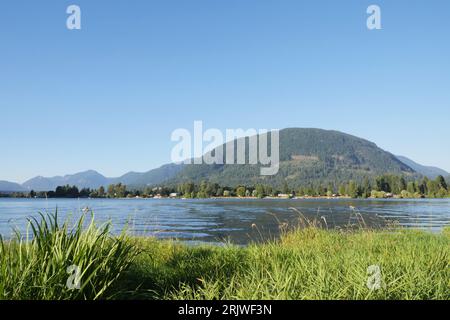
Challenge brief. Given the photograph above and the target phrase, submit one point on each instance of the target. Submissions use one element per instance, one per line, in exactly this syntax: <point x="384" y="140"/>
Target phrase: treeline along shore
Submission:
<point x="385" y="186"/>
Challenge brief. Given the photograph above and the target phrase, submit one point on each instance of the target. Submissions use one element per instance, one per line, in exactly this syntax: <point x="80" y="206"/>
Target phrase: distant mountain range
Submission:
<point x="6" y="186"/>
<point x="87" y="179"/>
<point x="92" y="179"/>
<point x="306" y="156"/>
<point x="430" y="172"/>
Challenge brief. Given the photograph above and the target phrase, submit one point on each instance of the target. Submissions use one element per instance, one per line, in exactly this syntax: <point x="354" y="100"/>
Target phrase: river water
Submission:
<point x="235" y="220"/>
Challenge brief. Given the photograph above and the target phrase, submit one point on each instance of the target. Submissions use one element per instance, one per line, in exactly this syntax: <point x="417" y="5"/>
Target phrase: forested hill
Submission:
<point x="307" y="156"/>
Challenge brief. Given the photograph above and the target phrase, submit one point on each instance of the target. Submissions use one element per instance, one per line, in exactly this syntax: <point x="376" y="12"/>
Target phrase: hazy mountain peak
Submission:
<point x="429" y="171"/>
<point x="6" y="186"/>
<point x="85" y="179"/>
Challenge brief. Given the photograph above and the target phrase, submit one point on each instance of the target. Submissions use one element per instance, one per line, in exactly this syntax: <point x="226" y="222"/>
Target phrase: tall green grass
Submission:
<point x="37" y="266"/>
<point x="306" y="263"/>
<point x="309" y="263"/>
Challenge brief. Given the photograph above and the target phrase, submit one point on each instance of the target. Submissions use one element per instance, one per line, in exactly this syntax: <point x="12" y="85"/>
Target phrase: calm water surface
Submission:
<point x="237" y="220"/>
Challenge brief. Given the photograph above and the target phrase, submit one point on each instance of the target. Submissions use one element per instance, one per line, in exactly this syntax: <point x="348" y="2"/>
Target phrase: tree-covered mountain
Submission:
<point x="307" y="156"/>
<point x="151" y="177"/>
<point x="428" y="171"/>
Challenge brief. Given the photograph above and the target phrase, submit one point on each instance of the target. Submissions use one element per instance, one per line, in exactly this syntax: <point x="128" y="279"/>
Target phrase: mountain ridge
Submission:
<point x="429" y="171"/>
<point x="93" y="179"/>
<point x="6" y="186"/>
<point x="306" y="154"/>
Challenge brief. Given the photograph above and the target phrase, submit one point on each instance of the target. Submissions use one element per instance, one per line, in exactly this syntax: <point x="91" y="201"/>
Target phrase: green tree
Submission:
<point x="433" y="188"/>
<point x="441" y="182"/>
<point x="383" y="184"/>
<point x="442" y="193"/>
<point x="342" y="190"/>
<point x="286" y="188"/>
<point x="352" y="189"/>
<point x="411" y="187"/>
<point x="260" y="191"/>
<point x="423" y="186"/>
<point x="402" y="184"/>
<point x="366" y="188"/>
<point x="101" y="192"/>
<point x="240" y="191"/>
<point x="111" y="191"/>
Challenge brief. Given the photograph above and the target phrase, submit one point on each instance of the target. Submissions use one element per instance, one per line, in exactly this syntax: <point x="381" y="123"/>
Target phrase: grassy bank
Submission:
<point x="58" y="261"/>
<point x="309" y="263"/>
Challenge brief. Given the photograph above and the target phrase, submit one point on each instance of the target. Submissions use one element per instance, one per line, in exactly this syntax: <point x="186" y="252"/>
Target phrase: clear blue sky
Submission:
<point x="107" y="97"/>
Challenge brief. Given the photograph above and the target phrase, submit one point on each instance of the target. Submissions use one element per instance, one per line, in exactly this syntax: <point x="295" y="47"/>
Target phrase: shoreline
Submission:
<point x="234" y="198"/>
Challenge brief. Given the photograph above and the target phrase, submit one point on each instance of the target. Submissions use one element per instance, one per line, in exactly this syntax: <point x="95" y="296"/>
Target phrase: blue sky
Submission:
<point x="108" y="97"/>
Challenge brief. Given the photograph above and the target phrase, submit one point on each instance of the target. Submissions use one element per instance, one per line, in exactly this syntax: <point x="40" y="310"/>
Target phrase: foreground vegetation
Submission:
<point x="308" y="263"/>
<point x="56" y="261"/>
